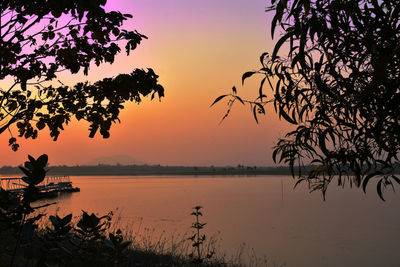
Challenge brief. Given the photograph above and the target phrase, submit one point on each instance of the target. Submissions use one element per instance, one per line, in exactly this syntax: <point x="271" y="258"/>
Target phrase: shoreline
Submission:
<point x="154" y="170"/>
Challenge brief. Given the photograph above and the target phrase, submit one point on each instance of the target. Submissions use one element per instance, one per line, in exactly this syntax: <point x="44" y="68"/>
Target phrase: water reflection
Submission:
<point x="292" y="226"/>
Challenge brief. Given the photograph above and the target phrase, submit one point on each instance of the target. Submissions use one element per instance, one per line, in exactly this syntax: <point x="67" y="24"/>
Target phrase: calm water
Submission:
<point x="294" y="228"/>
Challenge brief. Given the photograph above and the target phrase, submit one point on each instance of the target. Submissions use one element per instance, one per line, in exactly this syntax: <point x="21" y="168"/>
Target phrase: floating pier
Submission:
<point x="50" y="187"/>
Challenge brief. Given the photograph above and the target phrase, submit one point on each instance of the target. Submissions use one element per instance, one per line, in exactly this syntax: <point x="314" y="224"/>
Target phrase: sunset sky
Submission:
<point x="200" y="49"/>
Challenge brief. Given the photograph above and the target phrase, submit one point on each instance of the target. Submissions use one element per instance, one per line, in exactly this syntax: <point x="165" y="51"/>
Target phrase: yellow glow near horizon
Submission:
<point x="199" y="50"/>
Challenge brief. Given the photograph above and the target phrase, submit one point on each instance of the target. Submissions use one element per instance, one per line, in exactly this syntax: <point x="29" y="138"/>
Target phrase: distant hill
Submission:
<point x="114" y="160"/>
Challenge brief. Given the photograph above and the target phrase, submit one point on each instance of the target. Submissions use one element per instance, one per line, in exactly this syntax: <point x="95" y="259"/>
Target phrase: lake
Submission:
<point x="291" y="227"/>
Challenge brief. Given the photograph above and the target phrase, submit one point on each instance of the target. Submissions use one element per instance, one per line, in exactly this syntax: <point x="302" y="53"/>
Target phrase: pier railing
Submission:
<point x="49" y="182"/>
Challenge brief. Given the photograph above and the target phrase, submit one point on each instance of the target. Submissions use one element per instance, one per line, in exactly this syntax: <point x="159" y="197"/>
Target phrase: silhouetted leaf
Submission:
<point x="396" y="179"/>
<point x="283" y="113"/>
<point x="260" y="90"/>
<point x="238" y="98"/>
<point x="262" y="57"/>
<point x="367" y="178"/>
<point x="274" y="154"/>
<point x="26" y="180"/>
<point x="280" y="43"/>
<point x="255" y="113"/>
<point x="234" y="91"/>
<point x="379" y="189"/>
<point x="298" y="182"/>
<point x="31" y="159"/>
<point x="42" y="160"/>
<point x="67" y="219"/>
<point x="247" y="75"/>
<point x="217" y="99"/>
<point x="25" y="171"/>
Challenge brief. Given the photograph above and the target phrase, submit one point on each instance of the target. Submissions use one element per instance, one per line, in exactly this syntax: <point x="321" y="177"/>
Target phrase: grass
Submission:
<point x="152" y="247"/>
<point x="92" y="240"/>
<point x="147" y="247"/>
<point x="155" y="247"/>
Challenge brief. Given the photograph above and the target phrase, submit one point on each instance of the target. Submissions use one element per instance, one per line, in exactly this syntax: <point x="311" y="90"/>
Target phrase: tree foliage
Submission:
<point x="41" y="38"/>
<point x="339" y="83"/>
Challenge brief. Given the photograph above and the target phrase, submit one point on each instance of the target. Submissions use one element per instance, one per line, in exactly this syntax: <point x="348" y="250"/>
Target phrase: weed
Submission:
<point x="200" y="254"/>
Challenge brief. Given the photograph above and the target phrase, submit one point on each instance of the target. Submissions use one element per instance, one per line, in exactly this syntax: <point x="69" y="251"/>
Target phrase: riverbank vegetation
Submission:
<point x="29" y="237"/>
<point x="92" y="240"/>
<point x="159" y="170"/>
<point x="102" y="170"/>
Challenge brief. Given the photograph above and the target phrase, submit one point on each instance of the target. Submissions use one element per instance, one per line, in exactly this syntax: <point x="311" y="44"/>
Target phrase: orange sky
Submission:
<point x="200" y="49"/>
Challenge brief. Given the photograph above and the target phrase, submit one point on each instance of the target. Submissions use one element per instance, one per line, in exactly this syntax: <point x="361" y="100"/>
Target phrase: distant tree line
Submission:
<point x="155" y="170"/>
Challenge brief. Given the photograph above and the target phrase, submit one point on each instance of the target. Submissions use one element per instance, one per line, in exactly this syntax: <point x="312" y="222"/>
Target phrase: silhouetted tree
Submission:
<point x="41" y="38"/>
<point x="339" y="82"/>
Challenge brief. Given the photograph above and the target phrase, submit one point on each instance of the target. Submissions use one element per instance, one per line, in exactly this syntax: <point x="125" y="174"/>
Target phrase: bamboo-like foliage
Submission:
<point x="338" y="81"/>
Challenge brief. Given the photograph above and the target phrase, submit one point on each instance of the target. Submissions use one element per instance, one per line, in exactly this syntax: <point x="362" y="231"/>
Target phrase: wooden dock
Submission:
<point x="51" y="185"/>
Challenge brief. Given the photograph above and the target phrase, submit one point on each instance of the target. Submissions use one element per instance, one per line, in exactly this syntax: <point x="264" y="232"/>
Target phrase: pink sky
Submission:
<point x="200" y="49"/>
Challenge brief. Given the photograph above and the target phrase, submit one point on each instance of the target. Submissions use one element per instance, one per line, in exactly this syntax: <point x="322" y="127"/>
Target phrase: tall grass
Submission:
<point x="177" y="248"/>
<point x="150" y="246"/>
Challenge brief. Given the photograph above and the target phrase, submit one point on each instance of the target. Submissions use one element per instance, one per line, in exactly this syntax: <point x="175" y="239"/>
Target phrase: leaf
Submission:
<point x="234" y="91"/>
<point x="261" y="96"/>
<point x="306" y="4"/>
<point x="25" y="171"/>
<point x="322" y="143"/>
<point x="286" y="116"/>
<point x="238" y="98"/>
<point x="113" y="239"/>
<point x="274" y="153"/>
<point x="31" y="159"/>
<point x="255" y="113"/>
<point x="298" y="182"/>
<point x="261" y="109"/>
<point x="92" y="130"/>
<point x="109" y="243"/>
<point x="263" y="55"/>
<point x="278" y="16"/>
<point x="273" y="26"/>
<point x="379" y="189"/>
<point x="54" y="220"/>
<point x="28" y="165"/>
<point x="367" y="178"/>
<point x="40" y="124"/>
<point x="66" y="219"/>
<point x="23" y="85"/>
<point x="396" y="179"/>
<point x="26" y="180"/>
<point x="42" y="160"/>
<point x="280" y="43"/>
<point x="218" y="99"/>
<point x="247" y="75"/>
<point x="260" y="90"/>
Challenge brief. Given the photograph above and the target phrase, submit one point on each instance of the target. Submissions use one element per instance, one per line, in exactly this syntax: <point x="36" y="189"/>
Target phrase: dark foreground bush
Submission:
<point x="28" y="237"/>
